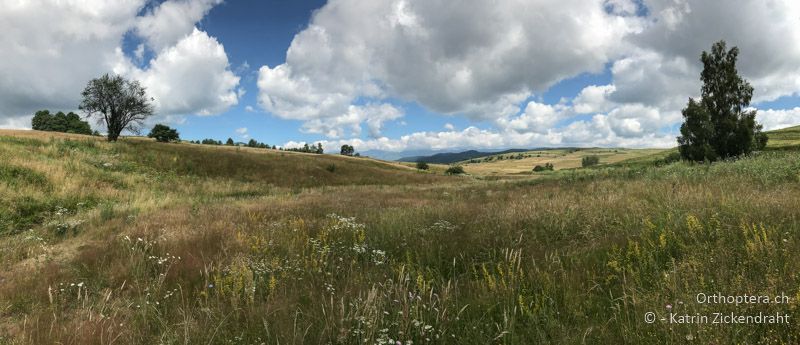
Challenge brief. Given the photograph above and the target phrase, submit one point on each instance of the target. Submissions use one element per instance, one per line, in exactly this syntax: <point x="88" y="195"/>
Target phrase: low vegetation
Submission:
<point x="454" y="170"/>
<point x="590" y="161"/>
<point x="545" y="167"/>
<point x="138" y="242"/>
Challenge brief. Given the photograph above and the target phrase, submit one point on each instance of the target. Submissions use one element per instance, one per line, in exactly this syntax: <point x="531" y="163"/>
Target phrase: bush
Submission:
<point x="546" y="167"/>
<point x="672" y="158"/>
<point x="422" y="166"/>
<point x="163" y="133"/>
<point x="590" y="161"/>
<point x="331" y="167"/>
<point x="454" y="170"/>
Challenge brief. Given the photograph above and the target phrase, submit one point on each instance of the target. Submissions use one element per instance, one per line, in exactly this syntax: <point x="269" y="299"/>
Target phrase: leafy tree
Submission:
<point x="60" y="122"/>
<point x="422" y="165"/>
<point x="74" y="124"/>
<point x="120" y="104"/>
<point x="252" y="143"/>
<point x="720" y="125"/>
<point x="41" y="120"/>
<point x="347" y="150"/>
<point x="164" y="133"/>
<point x="319" y="148"/>
<point x="229" y="142"/>
<point x="588" y="161"/>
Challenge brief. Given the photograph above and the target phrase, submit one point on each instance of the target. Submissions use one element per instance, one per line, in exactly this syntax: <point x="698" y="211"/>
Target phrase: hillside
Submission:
<point x="784" y="139"/>
<point x="45" y="169"/>
<point x="521" y="163"/>
<point x="138" y="242"/>
<point x="453" y="157"/>
<point x="570" y="158"/>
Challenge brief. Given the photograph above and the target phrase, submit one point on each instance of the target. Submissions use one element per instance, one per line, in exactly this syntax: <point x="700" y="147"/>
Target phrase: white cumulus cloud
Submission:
<point x="51" y="49"/>
<point x="477" y="58"/>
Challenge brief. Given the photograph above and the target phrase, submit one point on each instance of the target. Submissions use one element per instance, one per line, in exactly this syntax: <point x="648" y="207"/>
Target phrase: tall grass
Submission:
<point x="576" y="257"/>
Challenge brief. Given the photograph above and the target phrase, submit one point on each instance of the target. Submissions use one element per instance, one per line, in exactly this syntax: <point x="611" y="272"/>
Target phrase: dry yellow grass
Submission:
<point x="560" y="158"/>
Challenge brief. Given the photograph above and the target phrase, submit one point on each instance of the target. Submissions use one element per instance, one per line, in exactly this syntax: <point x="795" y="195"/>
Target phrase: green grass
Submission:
<point x="191" y="251"/>
<point x="784" y="139"/>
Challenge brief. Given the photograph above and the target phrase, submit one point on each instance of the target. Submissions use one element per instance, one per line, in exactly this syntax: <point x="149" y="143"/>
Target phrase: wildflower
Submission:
<point x="669" y="306"/>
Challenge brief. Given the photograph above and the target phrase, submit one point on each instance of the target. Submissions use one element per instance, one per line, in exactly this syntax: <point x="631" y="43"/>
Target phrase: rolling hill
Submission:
<point x="138" y="242"/>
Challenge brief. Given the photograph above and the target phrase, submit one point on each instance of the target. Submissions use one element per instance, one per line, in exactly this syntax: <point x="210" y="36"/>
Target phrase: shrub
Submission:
<point x="454" y="170"/>
<point x="546" y="167"/>
<point x="672" y="158"/>
<point x="590" y="161"/>
<point x="331" y="167"/>
<point x="163" y="133"/>
<point x="422" y="166"/>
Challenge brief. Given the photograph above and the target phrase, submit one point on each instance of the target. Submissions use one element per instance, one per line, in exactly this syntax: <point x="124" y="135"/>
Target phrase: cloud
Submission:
<point x="243" y="132"/>
<point x="764" y="31"/>
<point x="374" y="115"/>
<point x="449" y="126"/>
<point x="485" y="60"/>
<point x="168" y="23"/>
<point x="537" y="118"/>
<point x="45" y="66"/>
<point x="21" y="122"/>
<point x="777" y="119"/>
<point x="594" y="99"/>
<point x="436" y="54"/>
<point x="191" y="77"/>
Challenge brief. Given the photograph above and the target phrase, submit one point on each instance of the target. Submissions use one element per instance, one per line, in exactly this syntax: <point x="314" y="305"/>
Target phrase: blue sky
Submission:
<point x="400" y="75"/>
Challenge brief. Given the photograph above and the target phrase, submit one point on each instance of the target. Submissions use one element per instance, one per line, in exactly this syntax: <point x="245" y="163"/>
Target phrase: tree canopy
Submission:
<point x="347" y="150"/>
<point x="721" y="124"/>
<point x="60" y="122"/>
<point x="119" y="104"/>
<point x="164" y="133"/>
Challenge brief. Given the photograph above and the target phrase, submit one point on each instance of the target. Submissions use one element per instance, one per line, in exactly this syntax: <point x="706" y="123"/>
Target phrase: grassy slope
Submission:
<point x="198" y="253"/>
<point x="783" y="139"/>
<point x="560" y="158"/>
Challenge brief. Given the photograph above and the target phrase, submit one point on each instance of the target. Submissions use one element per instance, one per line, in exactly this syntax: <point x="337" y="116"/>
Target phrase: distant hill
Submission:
<point x="394" y="156"/>
<point x="452" y="157"/>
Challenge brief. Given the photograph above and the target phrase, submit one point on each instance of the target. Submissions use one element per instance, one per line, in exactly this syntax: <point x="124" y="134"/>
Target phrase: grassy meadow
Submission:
<point x="138" y="242"/>
<point x="523" y="162"/>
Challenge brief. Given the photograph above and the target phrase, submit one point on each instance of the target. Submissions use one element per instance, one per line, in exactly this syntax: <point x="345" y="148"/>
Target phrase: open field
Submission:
<point x="138" y="242"/>
<point x="509" y="164"/>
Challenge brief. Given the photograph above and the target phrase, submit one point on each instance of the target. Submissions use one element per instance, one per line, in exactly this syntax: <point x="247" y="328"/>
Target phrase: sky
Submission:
<point x="402" y="75"/>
